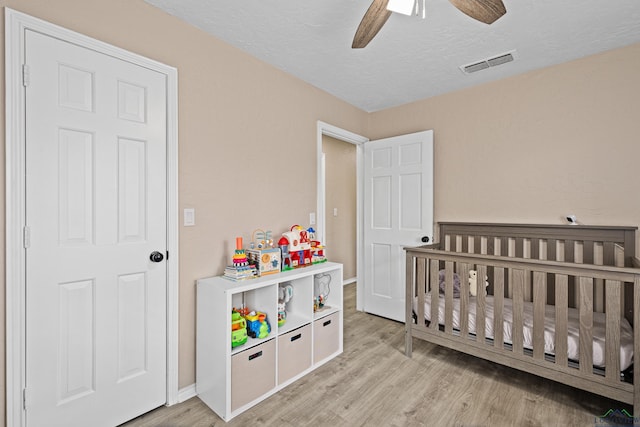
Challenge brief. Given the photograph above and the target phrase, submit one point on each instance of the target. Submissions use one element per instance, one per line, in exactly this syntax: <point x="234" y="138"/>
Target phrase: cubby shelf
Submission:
<point x="230" y="381"/>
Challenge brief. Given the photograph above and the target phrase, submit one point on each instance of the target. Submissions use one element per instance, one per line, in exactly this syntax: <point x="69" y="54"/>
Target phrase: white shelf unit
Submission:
<point x="230" y="381"/>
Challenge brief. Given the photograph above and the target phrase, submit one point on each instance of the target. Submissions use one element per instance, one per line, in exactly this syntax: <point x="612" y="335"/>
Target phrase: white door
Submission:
<point x="96" y="210"/>
<point x="398" y="212"/>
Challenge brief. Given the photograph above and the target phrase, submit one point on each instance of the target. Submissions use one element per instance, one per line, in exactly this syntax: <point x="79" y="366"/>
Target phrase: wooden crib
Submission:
<point x="540" y="278"/>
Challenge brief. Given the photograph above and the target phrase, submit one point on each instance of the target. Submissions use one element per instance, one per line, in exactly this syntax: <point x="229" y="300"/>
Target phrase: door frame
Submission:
<point x="16" y="23"/>
<point x="358" y="140"/>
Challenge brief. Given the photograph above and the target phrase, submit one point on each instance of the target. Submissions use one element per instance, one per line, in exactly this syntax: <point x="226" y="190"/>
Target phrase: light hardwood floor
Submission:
<point x="373" y="384"/>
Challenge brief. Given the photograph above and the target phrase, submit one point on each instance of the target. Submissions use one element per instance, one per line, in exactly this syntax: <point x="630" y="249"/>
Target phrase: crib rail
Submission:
<point x="511" y="277"/>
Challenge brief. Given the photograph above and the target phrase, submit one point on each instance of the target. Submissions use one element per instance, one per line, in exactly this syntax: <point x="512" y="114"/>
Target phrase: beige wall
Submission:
<point x="238" y="121"/>
<point x="340" y="193"/>
<point x="527" y="149"/>
<point x="535" y="147"/>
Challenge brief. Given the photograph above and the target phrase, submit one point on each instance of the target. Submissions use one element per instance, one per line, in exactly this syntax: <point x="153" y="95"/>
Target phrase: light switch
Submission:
<point x="335" y="211"/>
<point x="189" y="217"/>
<point x="312" y="218"/>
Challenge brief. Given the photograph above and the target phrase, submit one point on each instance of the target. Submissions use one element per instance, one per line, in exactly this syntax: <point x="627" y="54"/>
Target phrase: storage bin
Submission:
<point x="294" y="353"/>
<point x="253" y="373"/>
<point x="326" y="336"/>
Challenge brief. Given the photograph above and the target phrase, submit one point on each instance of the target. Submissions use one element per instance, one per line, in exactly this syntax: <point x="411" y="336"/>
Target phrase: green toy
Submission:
<point x="238" y="329"/>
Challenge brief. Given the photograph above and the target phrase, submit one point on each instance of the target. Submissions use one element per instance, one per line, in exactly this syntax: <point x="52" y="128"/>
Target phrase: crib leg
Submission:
<point x="408" y="340"/>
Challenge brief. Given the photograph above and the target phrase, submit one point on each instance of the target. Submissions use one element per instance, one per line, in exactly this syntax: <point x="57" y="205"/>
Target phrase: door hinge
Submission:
<point x="24" y="399"/>
<point x="26" y="75"/>
<point x="26" y="237"/>
<point x="167" y="255"/>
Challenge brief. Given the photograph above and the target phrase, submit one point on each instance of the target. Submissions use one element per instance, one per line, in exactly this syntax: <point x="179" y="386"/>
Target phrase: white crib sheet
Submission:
<point x="626" y="332"/>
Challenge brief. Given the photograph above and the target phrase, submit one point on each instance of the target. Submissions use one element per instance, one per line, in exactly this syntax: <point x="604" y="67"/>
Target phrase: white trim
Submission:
<point x="358" y="140"/>
<point x="187" y="393"/>
<point x="15" y="25"/>
<point x="349" y="281"/>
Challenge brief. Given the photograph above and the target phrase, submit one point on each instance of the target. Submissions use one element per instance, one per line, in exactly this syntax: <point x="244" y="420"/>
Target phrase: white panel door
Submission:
<point x="96" y="210"/>
<point x="398" y="212"/>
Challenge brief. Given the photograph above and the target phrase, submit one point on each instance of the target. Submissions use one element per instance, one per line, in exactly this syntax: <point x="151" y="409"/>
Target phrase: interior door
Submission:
<point x="96" y="210"/>
<point x="398" y="212"/>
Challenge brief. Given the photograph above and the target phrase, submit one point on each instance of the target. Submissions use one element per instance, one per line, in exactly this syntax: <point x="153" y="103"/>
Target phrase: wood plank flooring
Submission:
<point x="373" y="384"/>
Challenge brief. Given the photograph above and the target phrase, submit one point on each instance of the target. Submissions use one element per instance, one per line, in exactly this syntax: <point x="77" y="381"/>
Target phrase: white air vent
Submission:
<point x="489" y="62"/>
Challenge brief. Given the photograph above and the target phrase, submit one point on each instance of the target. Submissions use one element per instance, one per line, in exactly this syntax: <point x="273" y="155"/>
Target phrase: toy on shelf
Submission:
<point x="240" y="268"/>
<point x="300" y="248"/>
<point x="262" y="254"/>
<point x="317" y="249"/>
<point x="285" y="293"/>
<point x="238" y="329"/>
<point x="321" y="290"/>
<point x="240" y="257"/>
<point x="257" y="325"/>
<point x="261" y="239"/>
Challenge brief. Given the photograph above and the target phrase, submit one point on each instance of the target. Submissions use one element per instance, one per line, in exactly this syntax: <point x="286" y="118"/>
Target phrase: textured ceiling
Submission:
<point x="411" y="58"/>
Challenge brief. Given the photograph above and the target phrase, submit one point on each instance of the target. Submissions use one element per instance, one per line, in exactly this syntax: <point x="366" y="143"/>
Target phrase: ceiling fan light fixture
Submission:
<point x="405" y="7"/>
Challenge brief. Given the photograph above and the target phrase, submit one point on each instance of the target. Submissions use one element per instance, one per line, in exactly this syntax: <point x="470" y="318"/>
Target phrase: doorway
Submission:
<point x="341" y="136"/>
<point x="341" y="204"/>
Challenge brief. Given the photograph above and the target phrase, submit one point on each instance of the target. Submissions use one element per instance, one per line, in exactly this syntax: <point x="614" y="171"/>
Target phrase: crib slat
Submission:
<point x="535" y="248"/>
<point x="569" y="250"/>
<point x="539" y="302"/>
<point x="518" y="308"/>
<point x="477" y="244"/>
<point x="552" y="249"/>
<point x="561" y="324"/>
<point x="608" y="253"/>
<point x="421" y="286"/>
<point x="481" y="304"/>
<point x="498" y="307"/>
<point x="586" y="324"/>
<point x="434" y="270"/>
<point x="587" y="252"/>
<point x="448" y="297"/>
<point x="528" y="289"/>
<point x="612" y="332"/>
<point x="464" y="299"/>
<point x="491" y="245"/>
<point x="504" y="246"/>
<point x="465" y="244"/>
<point x="519" y="247"/>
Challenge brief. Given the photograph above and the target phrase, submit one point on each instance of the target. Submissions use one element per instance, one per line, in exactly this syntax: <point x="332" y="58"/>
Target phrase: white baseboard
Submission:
<point x="187" y="393"/>
<point x="348" y="281"/>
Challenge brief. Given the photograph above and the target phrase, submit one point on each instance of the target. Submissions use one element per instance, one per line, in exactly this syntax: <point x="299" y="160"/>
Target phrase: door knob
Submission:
<point x="156" y="256"/>
<point x="425" y="239"/>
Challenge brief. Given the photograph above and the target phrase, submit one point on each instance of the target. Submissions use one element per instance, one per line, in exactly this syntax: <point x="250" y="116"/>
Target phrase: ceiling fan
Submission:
<point x="487" y="11"/>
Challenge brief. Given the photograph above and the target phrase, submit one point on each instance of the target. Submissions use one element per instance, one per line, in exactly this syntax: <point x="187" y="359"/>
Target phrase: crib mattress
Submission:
<point x="626" y="333"/>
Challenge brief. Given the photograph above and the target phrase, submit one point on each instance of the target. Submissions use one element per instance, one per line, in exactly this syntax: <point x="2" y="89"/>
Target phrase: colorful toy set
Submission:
<point x="257" y="325"/>
<point x="245" y="323"/>
<point x="300" y="248"/>
<point x="241" y="268"/>
<point x="297" y="247"/>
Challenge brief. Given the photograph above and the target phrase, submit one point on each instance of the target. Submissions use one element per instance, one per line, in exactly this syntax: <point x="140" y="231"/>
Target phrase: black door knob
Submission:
<point x="156" y="256"/>
<point x="425" y="239"/>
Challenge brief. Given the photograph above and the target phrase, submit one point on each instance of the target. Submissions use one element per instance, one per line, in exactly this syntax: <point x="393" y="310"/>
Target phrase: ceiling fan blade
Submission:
<point x="487" y="11"/>
<point x="372" y="21"/>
